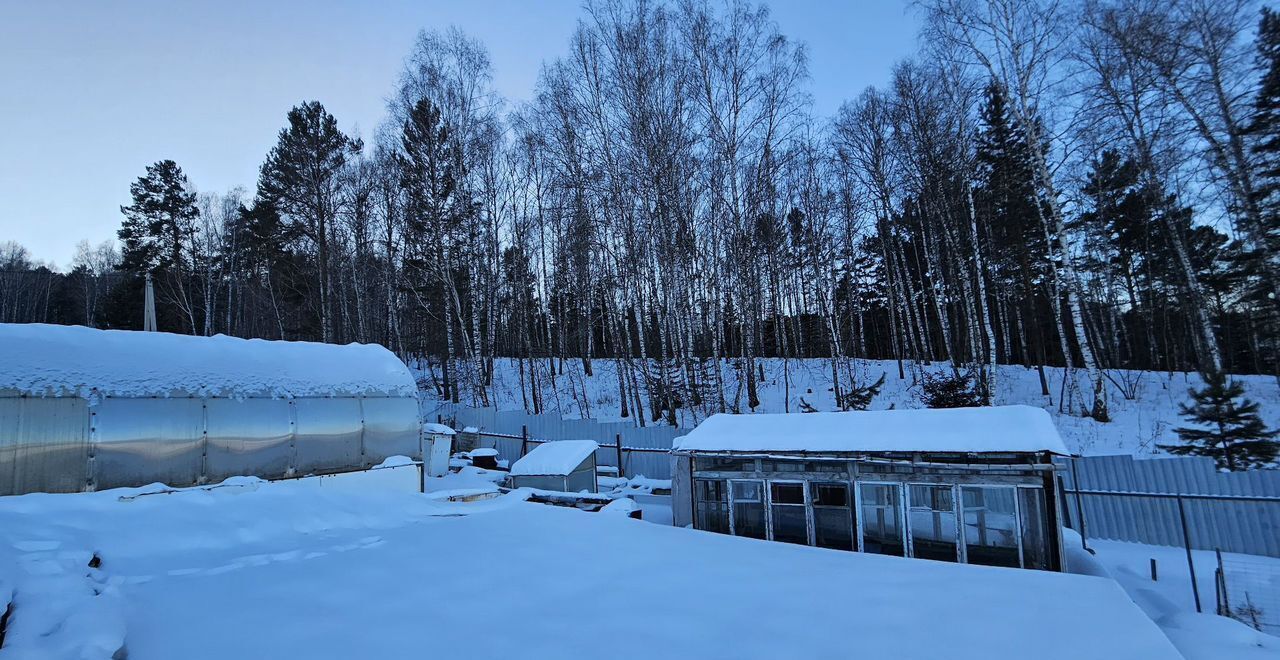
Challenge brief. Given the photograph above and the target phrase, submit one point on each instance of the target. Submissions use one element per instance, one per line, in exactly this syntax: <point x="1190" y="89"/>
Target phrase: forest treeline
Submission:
<point x="1045" y="182"/>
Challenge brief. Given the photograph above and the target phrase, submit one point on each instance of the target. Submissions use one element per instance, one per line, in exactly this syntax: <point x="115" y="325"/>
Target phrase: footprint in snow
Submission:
<point x="37" y="546"/>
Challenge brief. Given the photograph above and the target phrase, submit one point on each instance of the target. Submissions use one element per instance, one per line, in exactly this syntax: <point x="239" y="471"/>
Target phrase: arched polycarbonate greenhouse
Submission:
<point x="84" y="409"/>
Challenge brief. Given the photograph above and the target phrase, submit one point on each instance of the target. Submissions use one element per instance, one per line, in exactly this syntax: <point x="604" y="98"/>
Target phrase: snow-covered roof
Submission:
<point x="559" y="457"/>
<point x="438" y="429"/>
<point x="998" y="429"/>
<point x="53" y="360"/>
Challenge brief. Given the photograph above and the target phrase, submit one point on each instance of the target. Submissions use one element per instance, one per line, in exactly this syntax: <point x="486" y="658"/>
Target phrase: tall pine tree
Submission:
<point x="437" y="214"/>
<point x="1266" y="120"/>
<point x="159" y="221"/>
<point x="1257" y="263"/>
<point x="301" y="179"/>
<point x="1006" y="200"/>
<point x="156" y="234"/>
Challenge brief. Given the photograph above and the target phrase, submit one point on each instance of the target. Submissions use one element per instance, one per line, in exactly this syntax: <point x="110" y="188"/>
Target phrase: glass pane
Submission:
<point x="830" y="495"/>
<point x="789" y="524"/>
<point x="712" y="508"/>
<point x="832" y="517"/>
<point x="712" y="517"/>
<point x="747" y="491"/>
<point x="1035" y="542"/>
<point x="933" y="522"/>
<point x="784" y="465"/>
<point x="725" y="464"/>
<point x="990" y="525"/>
<point x="884" y="468"/>
<point x="787" y="493"/>
<point x="881" y="514"/>
<point x="833" y="528"/>
<point x="710" y="490"/>
<point x="748" y="509"/>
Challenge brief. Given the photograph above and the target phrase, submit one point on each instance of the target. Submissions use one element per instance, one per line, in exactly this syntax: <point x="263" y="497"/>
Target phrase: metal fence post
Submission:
<point x="617" y="439"/>
<point x="1224" y="601"/>
<point x="1075" y="482"/>
<point x="1186" y="541"/>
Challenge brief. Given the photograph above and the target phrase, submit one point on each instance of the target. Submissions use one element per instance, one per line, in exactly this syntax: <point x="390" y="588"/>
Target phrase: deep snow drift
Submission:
<point x="1138" y="424"/>
<point x="251" y="569"/>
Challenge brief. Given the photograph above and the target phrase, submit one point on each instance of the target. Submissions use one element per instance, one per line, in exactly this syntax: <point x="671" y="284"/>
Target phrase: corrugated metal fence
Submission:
<point x="1123" y="499"/>
<point x="638" y="444"/>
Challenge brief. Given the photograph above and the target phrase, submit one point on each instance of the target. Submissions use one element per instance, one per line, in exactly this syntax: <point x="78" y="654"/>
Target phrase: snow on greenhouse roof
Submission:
<point x="53" y="360"/>
<point x="998" y="429"/>
<point x="559" y="457"/>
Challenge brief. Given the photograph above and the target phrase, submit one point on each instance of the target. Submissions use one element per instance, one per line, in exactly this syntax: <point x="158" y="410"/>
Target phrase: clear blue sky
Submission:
<point x="93" y="91"/>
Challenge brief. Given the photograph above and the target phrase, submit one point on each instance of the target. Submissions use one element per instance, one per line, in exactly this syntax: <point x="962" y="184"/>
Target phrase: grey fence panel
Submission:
<point x="1113" y="507"/>
<point x="644" y="450"/>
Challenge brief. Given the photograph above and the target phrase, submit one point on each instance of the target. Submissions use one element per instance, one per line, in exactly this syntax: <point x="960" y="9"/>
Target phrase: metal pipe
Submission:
<point x="1075" y="482"/>
<point x="1186" y="542"/>
<point x="1224" y="601"/>
<point x="1172" y="496"/>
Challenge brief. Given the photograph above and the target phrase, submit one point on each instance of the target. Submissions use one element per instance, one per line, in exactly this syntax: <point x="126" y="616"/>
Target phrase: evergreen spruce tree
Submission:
<point x="858" y="397"/>
<point x="1227" y="427"/>
<point x="951" y="391"/>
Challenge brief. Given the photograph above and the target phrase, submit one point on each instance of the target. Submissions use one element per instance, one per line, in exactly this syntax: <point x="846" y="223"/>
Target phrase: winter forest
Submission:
<point x="1092" y="184"/>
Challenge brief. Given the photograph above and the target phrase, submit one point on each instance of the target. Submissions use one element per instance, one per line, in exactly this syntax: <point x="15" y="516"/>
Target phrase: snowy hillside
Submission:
<point x="1138" y="424"/>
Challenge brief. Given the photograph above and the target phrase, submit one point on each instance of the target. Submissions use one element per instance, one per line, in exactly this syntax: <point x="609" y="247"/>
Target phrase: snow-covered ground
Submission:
<point x="1138" y="424"/>
<point x="1169" y="599"/>
<point x="321" y="569"/>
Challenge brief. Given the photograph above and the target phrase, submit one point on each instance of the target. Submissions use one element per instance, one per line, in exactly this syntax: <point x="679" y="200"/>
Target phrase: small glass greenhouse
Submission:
<point x="971" y="485"/>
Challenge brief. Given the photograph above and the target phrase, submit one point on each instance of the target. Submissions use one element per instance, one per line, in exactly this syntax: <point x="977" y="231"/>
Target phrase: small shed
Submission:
<point x="561" y="465"/>
<point x="84" y="409"/>
<point x="972" y="485"/>
<point x="437" y="440"/>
